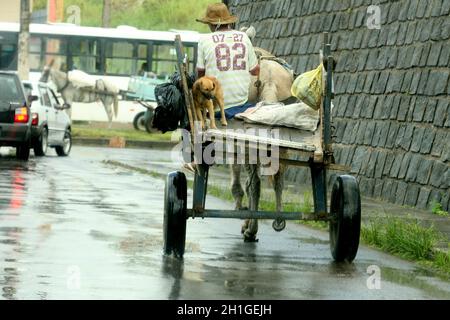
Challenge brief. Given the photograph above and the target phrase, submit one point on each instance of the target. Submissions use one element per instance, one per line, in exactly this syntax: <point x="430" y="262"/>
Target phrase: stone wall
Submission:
<point x="392" y="104"/>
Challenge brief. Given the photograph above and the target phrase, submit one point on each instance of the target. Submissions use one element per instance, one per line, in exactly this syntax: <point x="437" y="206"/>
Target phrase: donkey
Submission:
<point x="272" y="85"/>
<point x="72" y="93"/>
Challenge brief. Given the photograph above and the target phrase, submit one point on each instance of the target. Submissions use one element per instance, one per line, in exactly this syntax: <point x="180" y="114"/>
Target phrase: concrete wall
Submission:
<point x="392" y="113"/>
<point x="10" y="10"/>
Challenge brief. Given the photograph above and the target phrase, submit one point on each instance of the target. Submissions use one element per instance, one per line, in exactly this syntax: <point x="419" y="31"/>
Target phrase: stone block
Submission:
<point x="370" y="170"/>
<point x="419" y="108"/>
<point x="415" y="82"/>
<point x="437" y="174"/>
<point x="396" y="165"/>
<point x="389" y="141"/>
<point x="407" y="79"/>
<point x="379" y="167"/>
<point x="359" y="155"/>
<point x="430" y="110"/>
<point x="404" y="165"/>
<point x="422" y="199"/>
<point x="445" y="157"/>
<point x="444" y="55"/>
<point x="403" y="108"/>
<point x="394" y="107"/>
<point x="390" y="157"/>
<point x="413" y="167"/>
<point x="437" y="83"/>
<point x="389" y="190"/>
<point x="368" y="135"/>
<point x="402" y="34"/>
<point x="361" y="131"/>
<point x="369" y="81"/>
<point x="427" y="141"/>
<point x="425" y="54"/>
<point x="400" y="192"/>
<point x="417" y="139"/>
<point x="412" y="193"/>
<point x="423" y="83"/>
<point x="439" y="143"/>
<point x="424" y="171"/>
<point x="392" y="57"/>
<point x="441" y="111"/>
<point x="410" y="33"/>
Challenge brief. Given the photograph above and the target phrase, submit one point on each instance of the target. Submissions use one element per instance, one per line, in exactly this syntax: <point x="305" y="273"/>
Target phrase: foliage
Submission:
<point x="436" y="208"/>
<point x="142" y="14"/>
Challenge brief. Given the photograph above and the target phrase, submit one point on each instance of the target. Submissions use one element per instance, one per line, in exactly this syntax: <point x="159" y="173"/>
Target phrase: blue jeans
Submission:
<point x="231" y="112"/>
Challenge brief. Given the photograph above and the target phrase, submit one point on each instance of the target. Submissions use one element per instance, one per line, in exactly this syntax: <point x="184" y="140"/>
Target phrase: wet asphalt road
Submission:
<point x="75" y="228"/>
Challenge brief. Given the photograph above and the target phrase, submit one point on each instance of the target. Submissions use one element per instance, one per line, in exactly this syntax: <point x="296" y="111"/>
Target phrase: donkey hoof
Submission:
<point x="224" y="123"/>
<point x="250" y="237"/>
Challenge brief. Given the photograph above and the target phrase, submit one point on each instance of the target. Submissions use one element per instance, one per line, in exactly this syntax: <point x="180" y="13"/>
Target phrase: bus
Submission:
<point x="117" y="54"/>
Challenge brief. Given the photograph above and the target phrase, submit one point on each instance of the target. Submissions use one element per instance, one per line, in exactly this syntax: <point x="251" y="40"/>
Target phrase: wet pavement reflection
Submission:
<point x="75" y="228"/>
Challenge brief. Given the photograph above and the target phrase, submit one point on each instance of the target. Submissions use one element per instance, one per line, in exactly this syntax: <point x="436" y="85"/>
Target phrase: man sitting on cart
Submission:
<point x="229" y="56"/>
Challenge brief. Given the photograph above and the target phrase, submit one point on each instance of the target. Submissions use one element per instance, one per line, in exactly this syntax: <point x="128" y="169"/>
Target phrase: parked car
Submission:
<point x="15" y="116"/>
<point x="50" y="124"/>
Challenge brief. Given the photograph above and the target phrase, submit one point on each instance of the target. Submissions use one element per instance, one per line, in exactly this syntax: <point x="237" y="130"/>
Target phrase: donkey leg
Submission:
<point x="236" y="188"/>
<point x="253" y="189"/>
<point x="278" y="184"/>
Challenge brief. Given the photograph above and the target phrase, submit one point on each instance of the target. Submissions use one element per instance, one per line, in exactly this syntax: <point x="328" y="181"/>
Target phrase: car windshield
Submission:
<point x="9" y="90"/>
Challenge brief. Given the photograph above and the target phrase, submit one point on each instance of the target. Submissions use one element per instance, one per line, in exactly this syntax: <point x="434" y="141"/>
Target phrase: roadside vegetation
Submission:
<point x="404" y="238"/>
<point x="407" y="239"/>
<point x="129" y="133"/>
<point x="160" y="15"/>
<point x="436" y="208"/>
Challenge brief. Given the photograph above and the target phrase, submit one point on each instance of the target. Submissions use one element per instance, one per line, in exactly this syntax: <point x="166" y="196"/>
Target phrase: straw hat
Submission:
<point x="217" y="13"/>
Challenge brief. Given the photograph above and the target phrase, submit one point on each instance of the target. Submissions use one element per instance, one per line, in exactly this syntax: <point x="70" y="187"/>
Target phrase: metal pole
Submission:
<point x="248" y="214"/>
<point x="23" y="66"/>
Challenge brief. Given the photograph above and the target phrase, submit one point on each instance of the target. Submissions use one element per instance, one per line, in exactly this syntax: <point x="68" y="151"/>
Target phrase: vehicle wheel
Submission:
<point x="41" y="145"/>
<point x="139" y="121"/>
<point x="175" y="214"/>
<point x="345" y="222"/>
<point x="64" y="150"/>
<point x="23" y="151"/>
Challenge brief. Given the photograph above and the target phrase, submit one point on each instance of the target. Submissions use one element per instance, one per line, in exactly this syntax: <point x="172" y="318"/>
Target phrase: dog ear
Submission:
<point x="214" y="85"/>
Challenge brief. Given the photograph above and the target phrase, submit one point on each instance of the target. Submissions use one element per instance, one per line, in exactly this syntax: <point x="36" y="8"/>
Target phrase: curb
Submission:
<point x="106" y="142"/>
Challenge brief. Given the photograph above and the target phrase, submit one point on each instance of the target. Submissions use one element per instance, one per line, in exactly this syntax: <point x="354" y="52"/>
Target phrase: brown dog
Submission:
<point x="207" y="95"/>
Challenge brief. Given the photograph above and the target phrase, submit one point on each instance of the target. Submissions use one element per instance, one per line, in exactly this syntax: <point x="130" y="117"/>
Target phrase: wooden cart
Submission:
<point x="296" y="148"/>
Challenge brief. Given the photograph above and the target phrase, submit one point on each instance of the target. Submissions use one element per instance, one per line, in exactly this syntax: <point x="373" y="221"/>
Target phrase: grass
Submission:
<point x="407" y="240"/>
<point x="143" y="14"/>
<point x="129" y="134"/>
<point x="436" y="208"/>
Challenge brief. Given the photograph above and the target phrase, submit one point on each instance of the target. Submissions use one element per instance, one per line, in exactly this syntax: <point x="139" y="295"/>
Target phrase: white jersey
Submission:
<point x="229" y="56"/>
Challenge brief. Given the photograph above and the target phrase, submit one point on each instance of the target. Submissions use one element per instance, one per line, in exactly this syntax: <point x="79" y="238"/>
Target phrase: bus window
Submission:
<point x="119" y="58"/>
<point x="35" y="53"/>
<point x="8" y="51"/>
<point x="8" y="54"/>
<point x="85" y="55"/>
<point x="56" y="51"/>
<point x="164" y="60"/>
<point x="142" y="55"/>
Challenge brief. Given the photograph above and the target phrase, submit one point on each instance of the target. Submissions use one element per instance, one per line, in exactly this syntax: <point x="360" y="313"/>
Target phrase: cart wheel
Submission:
<point x="175" y="199"/>
<point x="345" y="222"/>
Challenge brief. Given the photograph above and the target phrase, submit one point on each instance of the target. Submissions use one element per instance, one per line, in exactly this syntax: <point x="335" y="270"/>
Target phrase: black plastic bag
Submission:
<point x="170" y="110"/>
<point x="176" y="80"/>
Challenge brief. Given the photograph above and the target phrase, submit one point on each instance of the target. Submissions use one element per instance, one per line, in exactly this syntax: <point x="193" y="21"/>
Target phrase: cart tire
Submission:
<point x="139" y="121"/>
<point x="345" y="222"/>
<point x="175" y="214"/>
